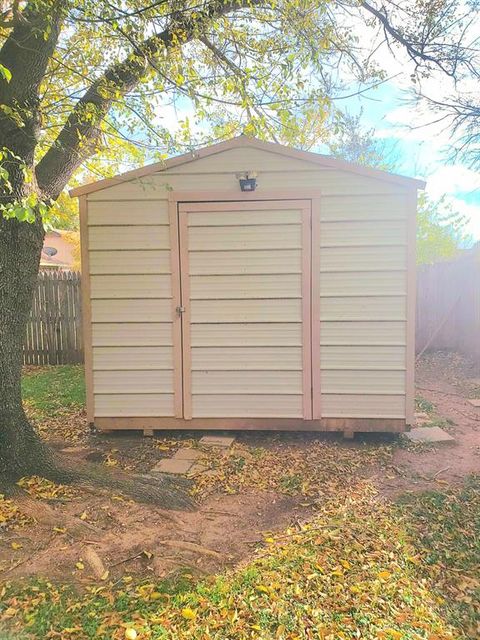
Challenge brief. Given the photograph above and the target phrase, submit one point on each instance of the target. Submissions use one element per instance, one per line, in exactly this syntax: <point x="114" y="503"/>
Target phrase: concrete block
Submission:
<point x="217" y="441"/>
<point x="429" y="435"/>
<point x="172" y="465"/>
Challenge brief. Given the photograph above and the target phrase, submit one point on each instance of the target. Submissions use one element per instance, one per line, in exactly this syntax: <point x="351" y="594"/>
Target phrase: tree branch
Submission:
<point x="26" y="53"/>
<point x="414" y="50"/>
<point x="81" y="132"/>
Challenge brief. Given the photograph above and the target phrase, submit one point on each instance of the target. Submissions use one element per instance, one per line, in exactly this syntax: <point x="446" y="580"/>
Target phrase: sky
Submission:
<point x="421" y="152"/>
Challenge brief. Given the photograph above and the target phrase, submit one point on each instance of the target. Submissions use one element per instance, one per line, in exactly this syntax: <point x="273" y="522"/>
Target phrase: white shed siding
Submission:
<point x="363" y="292"/>
<point x="131" y="303"/>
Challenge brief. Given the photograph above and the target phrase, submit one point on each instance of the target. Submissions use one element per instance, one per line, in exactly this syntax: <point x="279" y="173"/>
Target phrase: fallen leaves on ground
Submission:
<point x="314" y="470"/>
<point x="38" y="488"/>
<point x="356" y="570"/>
<point x="446" y="526"/>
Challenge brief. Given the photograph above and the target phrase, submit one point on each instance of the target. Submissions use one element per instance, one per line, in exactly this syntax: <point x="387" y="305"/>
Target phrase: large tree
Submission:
<point x="81" y="79"/>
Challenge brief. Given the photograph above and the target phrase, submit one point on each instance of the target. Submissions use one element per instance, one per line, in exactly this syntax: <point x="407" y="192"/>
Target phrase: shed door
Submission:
<point x="245" y="294"/>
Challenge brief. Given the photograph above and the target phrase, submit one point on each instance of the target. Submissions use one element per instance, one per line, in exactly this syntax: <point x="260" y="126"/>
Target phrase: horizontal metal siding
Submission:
<point x="139" y="381"/>
<point x="366" y="233"/>
<point x="133" y="405"/>
<point x="246" y="311"/>
<point x="145" y="310"/>
<point x="131" y="286"/>
<point x="247" y="382"/>
<point x="132" y="358"/>
<point x="232" y="160"/>
<point x="363" y="333"/>
<point x="132" y="334"/>
<point x="363" y="283"/>
<point x="364" y="207"/>
<point x="241" y="218"/>
<point x="128" y="213"/>
<point x="247" y="335"/>
<point x="247" y="358"/>
<point x="363" y="382"/>
<point x="247" y="406"/>
<point x="377" y="258"/>
<point x="363" y="357"/>
<point x="135" y="237"/>
<point x="129" y="262"/>
<point x="245" y="286"/>
<point x="363" y="406"/>
<point x="363" y="308"/>
<point x="245" y="238"/>
<point x="245" y="262"/>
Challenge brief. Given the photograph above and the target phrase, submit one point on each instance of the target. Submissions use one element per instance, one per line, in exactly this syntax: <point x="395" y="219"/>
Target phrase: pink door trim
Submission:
<point x="315" y="307"/>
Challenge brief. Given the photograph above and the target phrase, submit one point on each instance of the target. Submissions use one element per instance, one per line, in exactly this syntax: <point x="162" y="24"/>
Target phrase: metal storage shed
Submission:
<point x="288" y="307"/>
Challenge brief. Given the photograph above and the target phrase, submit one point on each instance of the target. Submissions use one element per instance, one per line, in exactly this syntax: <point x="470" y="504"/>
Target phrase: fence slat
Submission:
<point x="54" y="329"/>
<point x="448" y="305"/>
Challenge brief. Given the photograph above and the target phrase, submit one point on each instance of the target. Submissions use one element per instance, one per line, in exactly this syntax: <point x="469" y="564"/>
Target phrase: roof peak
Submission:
<point x="244" y="140"/>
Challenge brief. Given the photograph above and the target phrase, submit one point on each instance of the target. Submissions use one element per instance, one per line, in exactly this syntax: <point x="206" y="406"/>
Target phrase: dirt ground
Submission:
<point x="134" y="539"/>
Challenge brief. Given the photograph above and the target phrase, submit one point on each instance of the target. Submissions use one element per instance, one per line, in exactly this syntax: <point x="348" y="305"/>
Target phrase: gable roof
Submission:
<point x="245" y="141"/>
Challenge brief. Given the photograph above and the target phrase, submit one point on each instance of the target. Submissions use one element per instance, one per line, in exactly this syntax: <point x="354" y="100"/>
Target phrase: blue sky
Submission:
<point x="422" y="151"/>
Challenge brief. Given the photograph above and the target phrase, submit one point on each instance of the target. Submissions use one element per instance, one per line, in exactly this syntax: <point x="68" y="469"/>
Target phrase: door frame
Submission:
<point x="310" y="287"/>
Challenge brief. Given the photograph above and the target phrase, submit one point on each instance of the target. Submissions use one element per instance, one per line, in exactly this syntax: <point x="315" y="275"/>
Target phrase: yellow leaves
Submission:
<point x="79" y="565"/>
<point x="16" y="545"/>
<point x="390" y="634"/>
<point x="188" y="614"/>
<point x="60" y="529"/>
<point x="345" y="564"/>
<point x="44" y="489"/>
<point x="262" y="588"/>
<point x="384" y="575"/>
<point x="109" y="460"/>
<point x="105" y="575"/>
<point x="84" y="516"/>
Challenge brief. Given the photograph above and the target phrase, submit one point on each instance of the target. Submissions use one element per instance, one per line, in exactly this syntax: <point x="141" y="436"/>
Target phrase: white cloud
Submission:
<point x="453" y="179"/>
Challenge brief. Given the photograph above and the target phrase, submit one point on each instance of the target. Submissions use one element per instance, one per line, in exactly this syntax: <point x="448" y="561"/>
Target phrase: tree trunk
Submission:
<point x="21" y="450"/>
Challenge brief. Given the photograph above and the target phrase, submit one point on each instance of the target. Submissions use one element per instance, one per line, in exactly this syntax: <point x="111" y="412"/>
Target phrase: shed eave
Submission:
<point x="244" y="141"/>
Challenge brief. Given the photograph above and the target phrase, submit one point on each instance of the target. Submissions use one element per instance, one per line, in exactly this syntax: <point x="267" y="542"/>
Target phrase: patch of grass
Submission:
<point x="446" y="528"/>
<point x="53" y="390"/>
<point x="424" y="406"/>
<point x="360" y="569"/>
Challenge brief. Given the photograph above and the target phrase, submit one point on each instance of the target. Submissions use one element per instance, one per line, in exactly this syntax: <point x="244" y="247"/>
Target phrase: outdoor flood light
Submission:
<point x="248" y="181"/>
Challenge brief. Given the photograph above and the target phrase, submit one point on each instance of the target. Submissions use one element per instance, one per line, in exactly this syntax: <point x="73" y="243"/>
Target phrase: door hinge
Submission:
<point x="180" y="310"/>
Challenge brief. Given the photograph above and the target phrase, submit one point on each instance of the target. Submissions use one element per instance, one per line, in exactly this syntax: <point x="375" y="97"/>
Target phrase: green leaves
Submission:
<point x="5" y="73"/>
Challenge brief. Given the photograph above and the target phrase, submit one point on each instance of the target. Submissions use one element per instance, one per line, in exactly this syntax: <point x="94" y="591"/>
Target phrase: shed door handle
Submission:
<point x="180" y="310"/>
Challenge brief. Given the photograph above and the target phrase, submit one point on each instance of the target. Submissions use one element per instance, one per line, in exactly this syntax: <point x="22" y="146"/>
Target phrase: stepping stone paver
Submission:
<point x="217" y="441"/>
<point x="184" y="453"/>
<point x="475" y="402"/>
<point x="172" y="465"/>
<point x="429" y="435"/>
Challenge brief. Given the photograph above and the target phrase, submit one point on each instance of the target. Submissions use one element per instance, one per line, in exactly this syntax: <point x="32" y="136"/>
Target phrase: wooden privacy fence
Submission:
<point x="54" y="330"/>
<point x="448" y="305"/>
